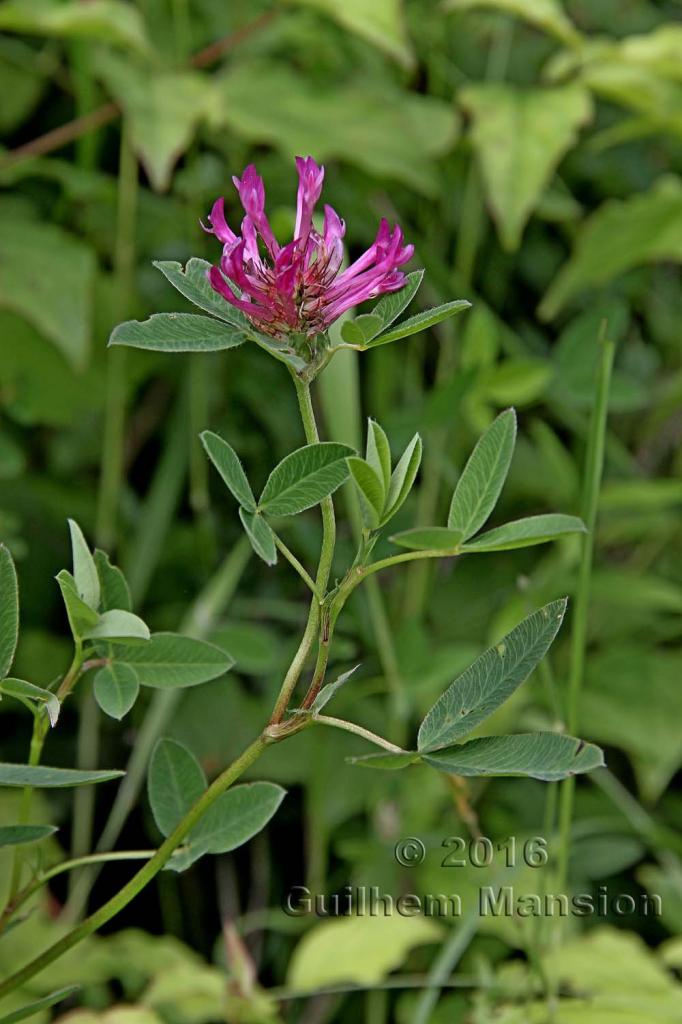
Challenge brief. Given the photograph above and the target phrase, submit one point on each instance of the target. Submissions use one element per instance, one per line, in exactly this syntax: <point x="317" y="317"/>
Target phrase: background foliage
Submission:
<point x="532" y="153"/>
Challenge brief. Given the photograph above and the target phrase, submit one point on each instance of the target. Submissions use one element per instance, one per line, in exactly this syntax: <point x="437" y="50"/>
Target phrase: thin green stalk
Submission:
<point x="294" y="562"/>
<point x="145" y="875"/>
<point x="593" y="475"/>
<point x="450" y="954"/>
<point x="358" y="730"/>
<point x="115" y="404"/>
<point x="198" y="622"/>
<point x="312" y="436"/>
<point x="87" y="757"/>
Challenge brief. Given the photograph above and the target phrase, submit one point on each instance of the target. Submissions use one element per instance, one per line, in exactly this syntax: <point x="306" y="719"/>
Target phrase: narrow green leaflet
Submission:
<point x="524" y="533"/>
<point x="81" y="616"/>
<point x="429" y="538"/>
<point x="85" y="574"/>
<point x="482" y="479"/>
<point x="118" y="625"/>
<point x="25" y="691"/>
<point x="9" y="610"/>
<point x="40" y="1004"/>
<point x="177" y="332"/>
<point x="260" y="535"/>
<point x="370" y="490"/>
<point x="226" y="461"/>
<point x="305" y="477"/>
<point x="328" y="691"/>
<point x="194" y="285"/>
<point x="116" y="688"/>
<point x="19" y="835"/>
<point x="390" y="306"/>
<point x="548" y="756"/>
<point x="236" y="816"/>
<point x="387" y="762"/>
<point x="403" y="477"/>
<point x="419" y="322"/>
<point x="382" y="23"/>
<point x="174" y="783"/>
<point x="491" y="679"/>
<point x="39" y="777"/>
<point x="169" y="661"/>
<point x="378" y="452"/>
<point x="114" y="590"/>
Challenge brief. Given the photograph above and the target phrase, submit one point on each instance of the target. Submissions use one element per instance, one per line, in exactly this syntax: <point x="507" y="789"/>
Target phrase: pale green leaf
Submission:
<point x="370" y="491"/>
<point x="85" y="574"/>
<point x="304" y="477"/>
<point x="403" y="477"/>
<point x="524" y="533"/>
<point x="40" y="777"/>
<point x="235" y="817"/>
<point x="382" y="23"/>
<point x="429" y="538"/>
<point x="226" y="461"/>
<point x="9" y="610"/>
<point x="547" y="15"/>
<point x="105" y="21"/>
<point x="328" y="691"/>
<point x="169" y="661"/>
<point x="491" y="679"/>
<point x="360" y="330"/>
<point x="548" y="756"/>
<point x="114" y="590"/>
<point x="19" y="835"/>
<point x="621" y="234"/>
<point x="47" y="277"/>
<point x="40" y="1004"/>
<point x="163" y="111"/>
<point x="25" y="691"/>
<point x="482" y="479"/>
<point x="116" y="688"/>
<point x="177" y="332"/>
<point x="520" y="135"/>
<point x="389" y="132"/>
<point x="419" y="322"/>
<point x="192" y="282"/>
<point x="360" y="950"/>
<point x="175" y="782"/>
<point x="81" y="616"/>
<point x="378" y="453"/>
<point x="260" y="535"/>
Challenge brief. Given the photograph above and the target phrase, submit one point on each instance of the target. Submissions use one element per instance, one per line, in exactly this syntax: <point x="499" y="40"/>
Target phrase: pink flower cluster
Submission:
<point x="297" y="288"/>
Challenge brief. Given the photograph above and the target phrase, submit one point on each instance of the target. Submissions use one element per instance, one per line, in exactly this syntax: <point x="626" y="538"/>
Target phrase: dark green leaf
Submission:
<point x="40" y="1004"/>
<point x="177" y="332"/>
<point x="40" y="777"/>
<point x="81" y="616"/>
<point x="116" y="688"/>
<point x="482" y="479"/>
<point x="260" y="535"/>
<point x="370" y="490"/>
<point x="378" y="453"/>
<point x="304" y="478"/>
<point x="524" y="533"/>
<point x="174" y="783"/>
<point x="194" y="285"/>
<point x="236" y="816"/>
<point x="403" y="477"/>
<point x="226" y="461"/>
<point x="429" y="538"/>
<point x="114" y="590"/>
<point x="420" y="322"/>
<point x="548" y="756"/>
<point x="491" y="679"/>
<point x="9" y="610"/>
<point x="18" y="835"/>
<point x="390" y="762"/>
<point x="390" y="306"/>
<point x="170" y="661"/>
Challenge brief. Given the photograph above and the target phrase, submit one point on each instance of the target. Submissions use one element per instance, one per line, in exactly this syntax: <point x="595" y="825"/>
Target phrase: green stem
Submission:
<point x="84" y="797"/>
<point x="40" y="727"/>
<point x="323" y="569"/>
<point x="145" y="875"/>
<point x="593" y="475"/>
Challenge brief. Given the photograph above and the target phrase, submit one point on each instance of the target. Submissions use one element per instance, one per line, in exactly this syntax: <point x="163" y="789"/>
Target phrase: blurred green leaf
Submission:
<point x="177" y="332"/>
<point x="520" y="136"/>
<point x="9" y="610"/>
<point x="18" y="835"/>
<point x="116" y="688"/>
<point x="548" y="756"/>
<point x="482" y="479"/>
<point x="547" y="15"/>
<point x="379" y="128"/>
<point x="39" y="1004"/>
<point x="106" y="21"/>
<point x="620" y="235"/>
<point x="304" y="477"/>
<point x="41" y="777"/>
<point x="168" y="660"/>
<point x="47" y="277"/>
<point x="381" y="23"/>
<point x="491" y="679"/>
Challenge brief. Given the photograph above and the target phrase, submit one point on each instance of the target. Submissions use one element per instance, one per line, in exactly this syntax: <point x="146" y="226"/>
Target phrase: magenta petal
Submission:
<point x="219" y="226"/>
<point x="310" y="178"/>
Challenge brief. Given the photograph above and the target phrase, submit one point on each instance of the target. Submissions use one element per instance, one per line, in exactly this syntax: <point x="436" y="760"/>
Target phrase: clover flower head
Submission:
<point x="299" y="288"/>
